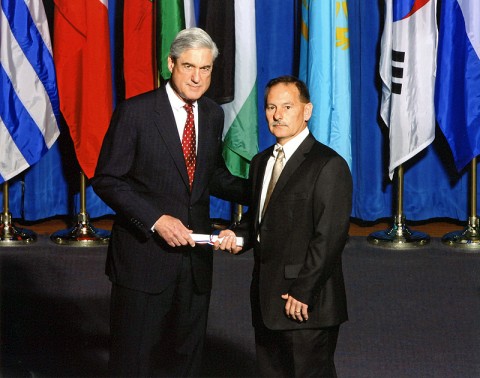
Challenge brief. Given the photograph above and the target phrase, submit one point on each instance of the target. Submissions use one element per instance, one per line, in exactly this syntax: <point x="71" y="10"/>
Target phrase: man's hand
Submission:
<point x="229" y="242"/>
<point x="295" y="309"/>
<point x="173" y="231"/>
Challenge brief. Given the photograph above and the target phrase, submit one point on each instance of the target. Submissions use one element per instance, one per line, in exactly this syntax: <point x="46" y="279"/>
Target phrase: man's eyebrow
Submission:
<point x="193" y="65"/>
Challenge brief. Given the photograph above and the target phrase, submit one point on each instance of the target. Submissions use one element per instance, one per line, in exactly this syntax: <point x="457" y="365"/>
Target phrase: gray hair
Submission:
<point x="192" y="38"/>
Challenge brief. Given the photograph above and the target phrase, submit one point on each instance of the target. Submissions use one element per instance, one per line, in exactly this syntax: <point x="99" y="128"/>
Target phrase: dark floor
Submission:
<point x="413" y="313"/>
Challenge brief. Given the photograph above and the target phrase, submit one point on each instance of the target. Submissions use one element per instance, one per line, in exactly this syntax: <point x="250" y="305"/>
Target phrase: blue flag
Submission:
<point x="457" y="91"/>
<point x="29" y="107"/>
<point x="325" y="68"/>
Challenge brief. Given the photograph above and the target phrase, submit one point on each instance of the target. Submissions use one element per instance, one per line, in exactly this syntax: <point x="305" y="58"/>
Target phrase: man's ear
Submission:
<point x="307" y="111"/>
<point x="170" y="64"/>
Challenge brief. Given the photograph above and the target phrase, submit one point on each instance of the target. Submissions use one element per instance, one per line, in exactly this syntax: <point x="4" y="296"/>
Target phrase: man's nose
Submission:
<point x="196" y="75"/>
<point x="278" y="114"/>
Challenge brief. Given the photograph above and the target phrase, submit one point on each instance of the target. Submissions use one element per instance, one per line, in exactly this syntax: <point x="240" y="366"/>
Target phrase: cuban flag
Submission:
<point x="457" y="92"/>
<point x="407" y="69"/>
<point x="29" y="107"/>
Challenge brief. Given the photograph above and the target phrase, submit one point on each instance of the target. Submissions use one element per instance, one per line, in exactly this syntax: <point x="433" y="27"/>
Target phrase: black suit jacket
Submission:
<point x="141" y="174"/>
<point x="302" y="236"/>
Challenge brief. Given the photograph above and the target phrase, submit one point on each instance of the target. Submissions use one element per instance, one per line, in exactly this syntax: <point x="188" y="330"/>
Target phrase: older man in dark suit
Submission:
<point x="301" y="204"/>
<point x="160" y="161"/>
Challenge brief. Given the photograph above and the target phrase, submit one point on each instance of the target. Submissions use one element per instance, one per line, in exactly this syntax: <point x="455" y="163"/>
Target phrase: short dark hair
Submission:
<point x="304" y="94"/>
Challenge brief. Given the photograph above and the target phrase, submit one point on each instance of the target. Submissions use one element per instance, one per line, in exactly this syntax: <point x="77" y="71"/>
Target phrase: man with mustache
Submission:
<point x="299" y="221"/>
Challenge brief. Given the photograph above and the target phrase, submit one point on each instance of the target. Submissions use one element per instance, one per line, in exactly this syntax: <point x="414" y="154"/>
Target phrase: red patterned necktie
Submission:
<point x="189" y="143"/>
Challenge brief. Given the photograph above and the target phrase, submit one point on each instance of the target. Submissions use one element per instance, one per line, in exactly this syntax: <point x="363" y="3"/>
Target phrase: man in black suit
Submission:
<point x="299" y="229"/>
<point x="159" y="163"/>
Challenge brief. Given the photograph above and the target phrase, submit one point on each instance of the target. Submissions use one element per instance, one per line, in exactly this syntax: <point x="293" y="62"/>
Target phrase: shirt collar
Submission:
<point x="176" y="102"/>
<point x="291" y="146"/>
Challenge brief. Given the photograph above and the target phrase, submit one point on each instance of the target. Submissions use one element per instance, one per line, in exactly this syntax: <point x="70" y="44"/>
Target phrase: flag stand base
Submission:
<point x="398" y="237"/>
<point x="83" y="234"/>
<point x="11" y="235"/>
<point x="468" y="238"/>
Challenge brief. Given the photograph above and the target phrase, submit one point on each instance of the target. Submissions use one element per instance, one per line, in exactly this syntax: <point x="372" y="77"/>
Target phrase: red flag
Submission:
<point x="82" y="59"/>
<point x="139" y="53"/>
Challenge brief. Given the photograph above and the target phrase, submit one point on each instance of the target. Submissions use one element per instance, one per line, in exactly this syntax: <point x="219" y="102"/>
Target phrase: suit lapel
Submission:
<point x="258" y="182"/>
<point x="203" y="139"/>
<point x="165" y="122"/>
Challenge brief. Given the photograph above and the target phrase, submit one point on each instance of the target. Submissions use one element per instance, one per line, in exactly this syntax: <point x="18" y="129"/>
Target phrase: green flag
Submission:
<point x="170" y="20"/>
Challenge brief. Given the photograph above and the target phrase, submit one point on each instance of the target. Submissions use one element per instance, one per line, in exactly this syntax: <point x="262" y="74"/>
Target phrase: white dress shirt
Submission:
<point x="180" y="113"/>
<point x="289" y="149"/>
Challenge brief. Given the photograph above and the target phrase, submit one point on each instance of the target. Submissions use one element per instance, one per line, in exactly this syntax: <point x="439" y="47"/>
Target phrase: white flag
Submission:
<point x="407" y="69"/>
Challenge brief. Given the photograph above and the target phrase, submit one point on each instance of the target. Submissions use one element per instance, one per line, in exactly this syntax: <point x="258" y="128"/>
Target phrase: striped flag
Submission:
<point x="457" y="96"/>
<point x="241" y="123"/>
<point x="407" y="69"/>
<point x="29" y="106"/>
<point x="325" y="68"/>
<point x="82" y="58"/>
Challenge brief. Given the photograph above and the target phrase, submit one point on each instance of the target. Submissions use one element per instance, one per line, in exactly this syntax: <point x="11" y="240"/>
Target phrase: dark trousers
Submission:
<point x="296" y="353"/>
<point x="158" y="335"/>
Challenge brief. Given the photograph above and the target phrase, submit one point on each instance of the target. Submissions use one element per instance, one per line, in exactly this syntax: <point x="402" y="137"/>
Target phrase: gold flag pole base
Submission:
<point x="11" y="235"/>
<point x="399" y="237"/>
<point x="82" y="234"/>
<point x="468" y="238"/>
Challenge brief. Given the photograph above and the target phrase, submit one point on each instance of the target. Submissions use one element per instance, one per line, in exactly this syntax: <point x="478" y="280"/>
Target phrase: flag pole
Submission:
<point x="469" y="237"/>
<point x="9" y="234"/>
<point x="237" y="214"/>
<point x="399" y="236"/>
<point x="83" y="233"/>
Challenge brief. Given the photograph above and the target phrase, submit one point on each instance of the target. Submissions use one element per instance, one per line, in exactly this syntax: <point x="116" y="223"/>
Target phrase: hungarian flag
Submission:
<point x="407" y="68"/>
<point x="82" y="60"/>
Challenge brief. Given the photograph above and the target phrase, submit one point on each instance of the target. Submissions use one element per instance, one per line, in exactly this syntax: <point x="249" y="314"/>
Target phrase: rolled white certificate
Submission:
<point x="210" y="239"/>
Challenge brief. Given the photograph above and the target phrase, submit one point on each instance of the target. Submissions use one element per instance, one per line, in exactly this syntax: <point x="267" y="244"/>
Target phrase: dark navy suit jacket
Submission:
<point x="141" y="175"/>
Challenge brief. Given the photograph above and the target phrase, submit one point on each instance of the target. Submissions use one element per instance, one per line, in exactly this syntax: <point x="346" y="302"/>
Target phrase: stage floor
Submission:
<point x="413" y="313"/>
